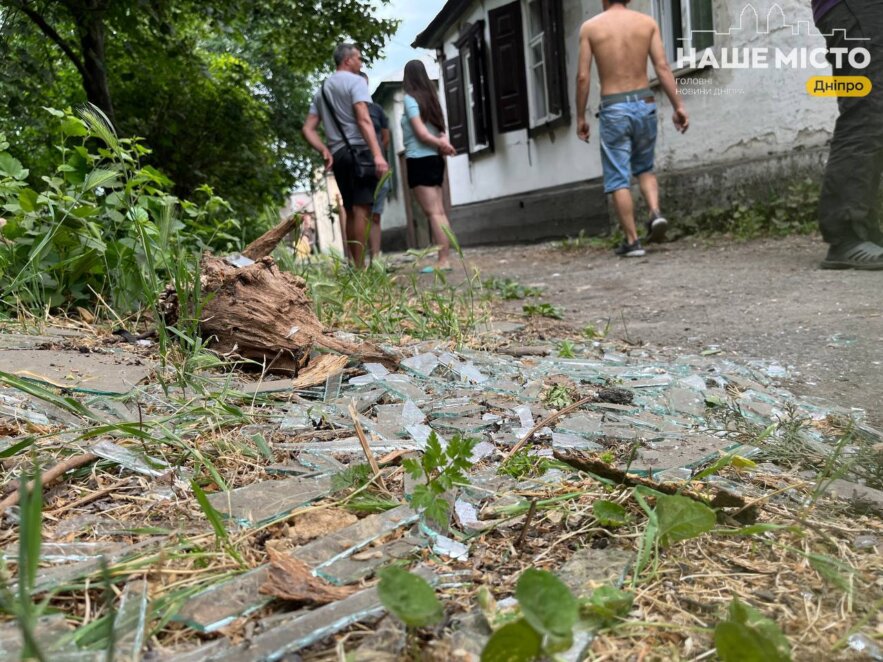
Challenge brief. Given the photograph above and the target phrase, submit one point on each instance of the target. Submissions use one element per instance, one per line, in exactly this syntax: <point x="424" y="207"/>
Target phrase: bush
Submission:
<point x="101" y="226"/>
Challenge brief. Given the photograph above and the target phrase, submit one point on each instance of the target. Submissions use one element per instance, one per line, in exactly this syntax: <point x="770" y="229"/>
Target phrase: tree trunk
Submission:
<point x="90" y="25"/>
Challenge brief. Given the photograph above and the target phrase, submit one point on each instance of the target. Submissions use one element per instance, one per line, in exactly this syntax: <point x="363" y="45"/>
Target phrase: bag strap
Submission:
<point x="334" y="117"/>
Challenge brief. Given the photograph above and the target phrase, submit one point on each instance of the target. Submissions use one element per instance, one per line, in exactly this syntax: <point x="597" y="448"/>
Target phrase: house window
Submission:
<point x="528" y="62"/>
<point x="467" y="93"/>
<point x="686" y="24"/>
<point x="536" y="50"/>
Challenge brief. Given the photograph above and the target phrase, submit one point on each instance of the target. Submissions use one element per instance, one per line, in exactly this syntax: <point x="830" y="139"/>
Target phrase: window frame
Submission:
<point x="472" y="54"/>
<point x="665" y="12"/>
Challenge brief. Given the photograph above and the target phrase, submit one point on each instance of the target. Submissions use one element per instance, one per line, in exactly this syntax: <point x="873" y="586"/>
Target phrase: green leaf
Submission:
<point x="408" y="597"/>
<point x="212" y="515"/>
<point x="608" y="604"/>
<point x="73" y="127"/>
<point x="749" y="636"/>
<point x="9" y="451"/>
<point x="413" y="468"/>
<point x="264" y="448"/>
<point x="609" y="513"/>
<point x="100" y="177"/>
<point x="12" y="167"/>
<point x="681" y="518"/>
<point x="515" y="642"/>
<point x="43" y="393"/>
<point x="27" y="200"/>
<point x="547" y="604"/>
<point x="735" y="460"/>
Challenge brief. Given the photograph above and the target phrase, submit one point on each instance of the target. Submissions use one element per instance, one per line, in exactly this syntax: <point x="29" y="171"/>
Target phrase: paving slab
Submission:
<point x="99" y="373"/>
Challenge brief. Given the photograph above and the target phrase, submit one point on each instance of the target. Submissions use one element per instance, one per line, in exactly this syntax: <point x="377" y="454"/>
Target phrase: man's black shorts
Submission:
<point x="354" y="190"/>
<point x="426" y="171"/>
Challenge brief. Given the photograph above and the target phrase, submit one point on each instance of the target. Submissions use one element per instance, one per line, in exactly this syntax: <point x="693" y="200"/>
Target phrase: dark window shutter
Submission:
<point x="507" y="53"/>
<point x="556" y="64"/>
<point x="455" y="100"/>
<point x="478" y="75"/>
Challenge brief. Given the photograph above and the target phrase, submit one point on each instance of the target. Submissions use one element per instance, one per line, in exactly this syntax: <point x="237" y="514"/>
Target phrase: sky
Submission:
<point x="415" y="16"/>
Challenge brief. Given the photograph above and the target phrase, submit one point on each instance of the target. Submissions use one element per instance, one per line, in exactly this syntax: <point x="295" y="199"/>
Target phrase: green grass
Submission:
<point x="375" y="302"/>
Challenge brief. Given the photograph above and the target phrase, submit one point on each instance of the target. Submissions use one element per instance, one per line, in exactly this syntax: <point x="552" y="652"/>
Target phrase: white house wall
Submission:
<point x="520" y="163"/>
<point x="394" y="215"/>
<point x="774" y="116"/>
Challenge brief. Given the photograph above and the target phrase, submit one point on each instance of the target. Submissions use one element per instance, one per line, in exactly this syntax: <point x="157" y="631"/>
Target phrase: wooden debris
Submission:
<point x="291" y="579"/>
<point x="263" y="314"/>
<point x="49" y="476"/>
<point x="360" y="433"/>
<point x="551" y="418"/>
<point x="264" y="245"/>
<point x="319" y="370"/>
<point x="586" y="462"/>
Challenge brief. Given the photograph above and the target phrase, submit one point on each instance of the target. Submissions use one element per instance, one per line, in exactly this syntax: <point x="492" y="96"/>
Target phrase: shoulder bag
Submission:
<point x="363" y="160"/>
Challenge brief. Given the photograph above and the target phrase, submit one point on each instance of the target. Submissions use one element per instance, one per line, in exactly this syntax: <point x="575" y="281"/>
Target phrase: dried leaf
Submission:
<point x="291" y="579"/>
<point x="315" y="523"/>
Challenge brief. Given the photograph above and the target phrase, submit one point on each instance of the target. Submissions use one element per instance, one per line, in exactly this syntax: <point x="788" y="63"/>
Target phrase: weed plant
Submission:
<point x="376" y="302"/>
<point x="103" y="227"/>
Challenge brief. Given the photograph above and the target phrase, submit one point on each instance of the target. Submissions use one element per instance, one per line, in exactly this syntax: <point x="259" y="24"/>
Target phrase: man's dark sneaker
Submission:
<point x="656" y="227"/>
<point x="630" y="250"/>
<point x="864" y="255"/>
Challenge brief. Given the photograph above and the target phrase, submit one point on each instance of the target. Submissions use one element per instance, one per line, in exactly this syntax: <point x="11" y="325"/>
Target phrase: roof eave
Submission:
<point x="433" y="35"/>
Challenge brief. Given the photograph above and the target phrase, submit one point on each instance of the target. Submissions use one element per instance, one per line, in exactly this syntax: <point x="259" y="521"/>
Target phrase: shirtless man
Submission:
<point x="621" y="39"/>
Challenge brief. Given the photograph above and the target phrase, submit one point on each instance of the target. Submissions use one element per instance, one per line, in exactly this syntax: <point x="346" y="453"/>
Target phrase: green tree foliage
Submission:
<point x="218" y="90"/>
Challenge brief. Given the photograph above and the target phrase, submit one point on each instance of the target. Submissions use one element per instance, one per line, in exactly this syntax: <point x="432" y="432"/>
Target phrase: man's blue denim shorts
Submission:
<point x="380" y="200"/>
<point x="628" y="141"/>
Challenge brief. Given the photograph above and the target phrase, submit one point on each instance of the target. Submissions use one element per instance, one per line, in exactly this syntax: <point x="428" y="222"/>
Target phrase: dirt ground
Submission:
<point x="763" y="299"/>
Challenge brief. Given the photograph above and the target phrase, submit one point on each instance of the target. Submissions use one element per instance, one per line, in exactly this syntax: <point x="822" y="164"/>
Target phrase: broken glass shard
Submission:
<point x="481" y="450"/>
<point x="686" y="401"/>
<point x="221" y="604"/>
<point x="404" y="389"/>
<point x="260" y="503"/>
<point x="571" y="442"/>
<point x="420" y="435"/>
<point x="332" y="387"/>
<point x="351" y="446"/>
<point x="238" y="260"/>
<point x="130" y="622"/>
<point x="463" y="426"/>
<point x="363" y="563"/>
<point x="321" y="462"/>
<point x="343" y="542"/>
<point x="467" y="516"/>
<point x="378" y="370"/>
<point x="588" y="424"/>
<point x="445" y="546"/>
<point x="422" y="364"/>
<point x="411" y="414"/>
<point x="297" y="419"/>
<point x="694" y="382"/>
<point x="304" y="630"/>
<point x="68" y="552"/>
<point x="130" y="459"/>
<point x="52" y="634"/>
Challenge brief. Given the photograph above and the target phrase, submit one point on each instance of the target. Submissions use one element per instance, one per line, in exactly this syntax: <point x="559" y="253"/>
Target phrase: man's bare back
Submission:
<point x="620" y="42"/>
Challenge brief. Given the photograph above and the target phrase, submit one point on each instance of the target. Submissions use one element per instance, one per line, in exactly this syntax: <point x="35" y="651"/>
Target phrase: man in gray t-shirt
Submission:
<point x="347" y="106"/>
